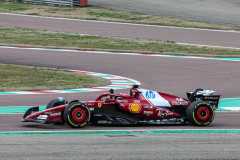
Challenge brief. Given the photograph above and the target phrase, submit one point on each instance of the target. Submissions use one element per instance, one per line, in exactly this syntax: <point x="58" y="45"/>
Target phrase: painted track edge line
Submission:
<point x="205" y="45"/>
<point x="119" y="132"/>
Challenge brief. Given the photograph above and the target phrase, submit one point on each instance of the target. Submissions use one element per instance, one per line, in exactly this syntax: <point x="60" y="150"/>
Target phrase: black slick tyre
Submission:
<point x="200" y="113"/>
<point x="77" y="115"/>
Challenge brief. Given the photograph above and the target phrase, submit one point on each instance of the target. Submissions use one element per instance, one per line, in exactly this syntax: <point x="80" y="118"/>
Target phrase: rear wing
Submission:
<point x="213" y="100"/>
<point x="209" y="96"/>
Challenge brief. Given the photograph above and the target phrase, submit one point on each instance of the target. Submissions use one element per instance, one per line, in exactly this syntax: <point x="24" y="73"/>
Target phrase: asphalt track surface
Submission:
<point x="106" y="29"/>
<point x="175" y="75"/>
<point x="169" y="74"/>
<point x="213" y="11"/>
<point x="177" y="147"/>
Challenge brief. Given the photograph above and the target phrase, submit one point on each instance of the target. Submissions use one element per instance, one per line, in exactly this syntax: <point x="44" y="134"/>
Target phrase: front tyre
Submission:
<point x="200" y="113"/>
<point x="77" y="115"/>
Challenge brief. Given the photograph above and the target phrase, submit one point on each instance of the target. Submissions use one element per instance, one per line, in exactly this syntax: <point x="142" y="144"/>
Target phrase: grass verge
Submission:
<point x="15" y="77"/>
<point x="21" y="36"/>
<point x="105" y="14"/>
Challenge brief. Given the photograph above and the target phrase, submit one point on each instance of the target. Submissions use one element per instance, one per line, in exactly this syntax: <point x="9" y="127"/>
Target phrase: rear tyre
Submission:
<point x="77" y="115"/>
<point x="200" y="113"/>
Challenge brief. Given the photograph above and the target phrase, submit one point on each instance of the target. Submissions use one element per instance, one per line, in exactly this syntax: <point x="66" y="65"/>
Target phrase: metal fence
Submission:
<point x="55" y="2"/>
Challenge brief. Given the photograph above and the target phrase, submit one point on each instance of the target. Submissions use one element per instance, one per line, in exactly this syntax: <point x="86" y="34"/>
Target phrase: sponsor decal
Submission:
<point x="42" y="117"/>
<point x="148" y="113"/>
<point x="154" y="98"/>
<point x="179" y="101"/>
<point x="135" y="108"/>
<point x="99" y="104"/>
<point x="150" y="94"/>
<point x="211" y="98"/>
<point x="162" y="113"/>
<point x="55" y="114"/>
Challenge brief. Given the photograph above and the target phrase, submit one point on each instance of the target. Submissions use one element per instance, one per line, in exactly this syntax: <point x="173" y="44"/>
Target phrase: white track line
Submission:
<point x="209" y="46"/>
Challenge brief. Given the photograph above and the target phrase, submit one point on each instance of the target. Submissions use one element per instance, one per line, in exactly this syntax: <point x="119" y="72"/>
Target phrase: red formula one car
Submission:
<point x="141" y="106"/>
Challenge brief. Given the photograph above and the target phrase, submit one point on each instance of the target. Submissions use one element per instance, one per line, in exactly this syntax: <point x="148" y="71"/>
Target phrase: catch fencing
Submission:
<point x="81" y="3"/>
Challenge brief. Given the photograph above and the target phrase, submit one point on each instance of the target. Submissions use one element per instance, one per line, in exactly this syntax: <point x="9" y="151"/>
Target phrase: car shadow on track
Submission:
<point x="34" y="126"/>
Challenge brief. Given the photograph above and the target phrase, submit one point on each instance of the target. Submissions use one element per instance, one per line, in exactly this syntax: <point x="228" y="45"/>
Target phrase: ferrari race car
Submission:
<point x="140" y="106"/>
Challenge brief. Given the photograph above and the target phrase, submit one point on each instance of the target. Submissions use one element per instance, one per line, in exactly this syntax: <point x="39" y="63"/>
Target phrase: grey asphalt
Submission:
<point x="224" y="120"/>
<point x="213" y="11"/>
<point x="177" y="147"/>
<point x="131" y="31"/>
<point x="174" y="75"/>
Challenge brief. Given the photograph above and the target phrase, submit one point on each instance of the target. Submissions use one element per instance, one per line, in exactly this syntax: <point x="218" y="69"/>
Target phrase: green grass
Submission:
<point x="105" y="14"/>
<point x="9" y="6"/>
<point x="15" y="77"/>
<point x="53" y="39"/>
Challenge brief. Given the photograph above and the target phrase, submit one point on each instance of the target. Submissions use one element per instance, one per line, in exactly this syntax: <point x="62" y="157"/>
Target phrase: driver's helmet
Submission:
<point x="134" y="92"/>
